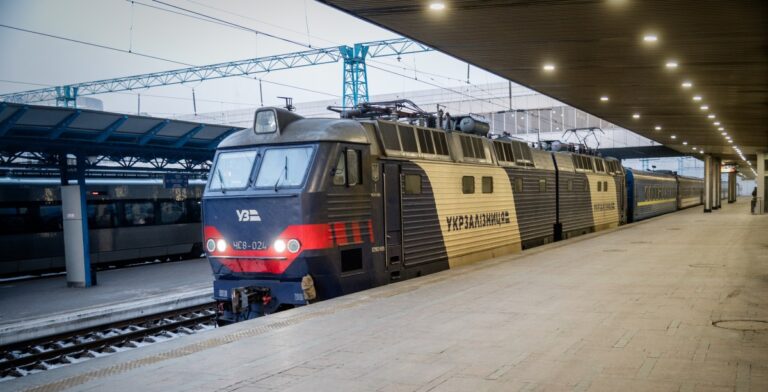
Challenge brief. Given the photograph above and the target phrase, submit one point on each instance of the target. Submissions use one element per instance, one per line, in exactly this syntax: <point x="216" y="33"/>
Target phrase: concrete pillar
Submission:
<point x="761" y="181"/>
<point x="77" y="253"/>
<point x="708" y="181"/>
<point x="717" y="175"/>
<point x="732" y="186"/>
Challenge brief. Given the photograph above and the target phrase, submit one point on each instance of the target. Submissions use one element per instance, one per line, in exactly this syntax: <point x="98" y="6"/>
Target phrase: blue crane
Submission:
<point x="355" y="81"/>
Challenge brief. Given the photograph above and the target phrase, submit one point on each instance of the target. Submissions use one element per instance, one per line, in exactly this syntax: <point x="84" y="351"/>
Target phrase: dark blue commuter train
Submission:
<point x="302" y="209"/>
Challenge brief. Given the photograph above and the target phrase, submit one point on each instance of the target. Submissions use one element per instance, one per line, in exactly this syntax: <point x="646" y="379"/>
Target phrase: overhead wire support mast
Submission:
<point x="64" y="95"/>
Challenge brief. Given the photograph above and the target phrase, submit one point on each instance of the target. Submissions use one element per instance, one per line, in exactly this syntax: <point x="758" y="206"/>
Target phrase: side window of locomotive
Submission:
<point x="605" y="186"/>
<point x="354" y="176"/>
<point x="586" y="185"/>
<point x="425" y="141"/>
<point x="570" y="185"/>
<point x="468" y="184"/>
<point x="599" y="186"/>
<point x="412" y="184"/>
<point x="519" y="184"/>
<point x="542" y="185"/>
<point x="340" y="172"/>
<point x="487" y="184"/>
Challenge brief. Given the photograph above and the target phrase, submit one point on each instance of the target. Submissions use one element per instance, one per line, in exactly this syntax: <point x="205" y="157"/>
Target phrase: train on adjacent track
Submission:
<point x="303" y="209"/>
<point x="129" y="221"/>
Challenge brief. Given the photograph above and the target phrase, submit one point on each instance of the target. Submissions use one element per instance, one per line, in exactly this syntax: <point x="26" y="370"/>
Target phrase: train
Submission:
<point x="129" y="220"/>
<point x="298" y="209"/>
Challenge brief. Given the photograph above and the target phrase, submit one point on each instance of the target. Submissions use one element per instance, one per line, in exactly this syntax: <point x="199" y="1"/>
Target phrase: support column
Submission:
<point x="717" y="176"/>
<point x="732" y="186"/>
<point x="708" y="183"/>
<point x="760" y="180"/>
<point x="77" y="253"/>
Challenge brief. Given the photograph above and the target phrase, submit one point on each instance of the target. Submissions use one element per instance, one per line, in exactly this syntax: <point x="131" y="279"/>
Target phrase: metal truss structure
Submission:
<point x="355" y="84"/>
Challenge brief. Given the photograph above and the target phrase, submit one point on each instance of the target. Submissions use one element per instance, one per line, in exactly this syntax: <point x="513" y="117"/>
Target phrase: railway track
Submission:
<point x="31" y="356"/>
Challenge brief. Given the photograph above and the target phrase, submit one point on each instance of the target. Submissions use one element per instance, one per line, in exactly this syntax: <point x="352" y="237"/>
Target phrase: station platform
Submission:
<point x="630" y="309"/>
<point x="45" y="306"/>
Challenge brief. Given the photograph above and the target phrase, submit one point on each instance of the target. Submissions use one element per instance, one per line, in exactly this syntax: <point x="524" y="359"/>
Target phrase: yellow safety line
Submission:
<point x="651" y="202"/>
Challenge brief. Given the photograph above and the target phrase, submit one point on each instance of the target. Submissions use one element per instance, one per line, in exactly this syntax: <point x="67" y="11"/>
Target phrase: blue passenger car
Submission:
<point x="650" y="194"/>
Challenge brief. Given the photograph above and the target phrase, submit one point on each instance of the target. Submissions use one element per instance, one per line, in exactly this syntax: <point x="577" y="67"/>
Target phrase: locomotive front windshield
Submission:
<point x="232" y="170"/>
<point x="278" y="168"/>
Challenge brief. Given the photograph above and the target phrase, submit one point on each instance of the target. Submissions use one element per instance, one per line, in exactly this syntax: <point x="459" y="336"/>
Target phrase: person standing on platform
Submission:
<point x="754" y="199"/>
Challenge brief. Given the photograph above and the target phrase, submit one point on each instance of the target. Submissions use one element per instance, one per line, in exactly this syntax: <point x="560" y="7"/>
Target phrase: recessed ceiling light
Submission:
<point x="549" y="67"/>
<point x="437" y="6"/>
<point x="724" y="133"/>
<point x="694" y="149"/>
<point x="730" y="141"/>
<point x="704" y="107"/>
<point x="687" y="84"/>
<point x="686" y="143"/>
<point x="658" y="127"/>
<point x="697" y="97"/>
<point x="650" y="38"/>
<point x="604" y="98"/>
<point x="701" y="151"/>
<point x="636" y="115"/>
<point x="711" y="116"/>
<point x="721" y="129"/>
<point x="671" y="64"/>
<point x="717" y="123"/>
<point x="673" y="137"/>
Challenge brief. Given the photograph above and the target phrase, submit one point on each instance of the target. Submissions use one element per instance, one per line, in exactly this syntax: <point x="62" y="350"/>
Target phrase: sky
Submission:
<point x="181" y="31"/>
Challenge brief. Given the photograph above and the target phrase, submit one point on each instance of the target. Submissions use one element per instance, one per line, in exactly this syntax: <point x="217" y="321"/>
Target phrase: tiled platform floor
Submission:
<point x="628" y="310"/>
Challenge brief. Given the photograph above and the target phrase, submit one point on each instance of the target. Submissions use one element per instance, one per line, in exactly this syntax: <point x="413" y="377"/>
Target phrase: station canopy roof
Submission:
<point x="635" y="53"/>
<point x="60" y="130"/>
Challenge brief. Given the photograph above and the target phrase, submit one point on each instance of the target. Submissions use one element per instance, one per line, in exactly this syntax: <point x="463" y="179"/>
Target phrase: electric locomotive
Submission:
<point x="302" y="209"/>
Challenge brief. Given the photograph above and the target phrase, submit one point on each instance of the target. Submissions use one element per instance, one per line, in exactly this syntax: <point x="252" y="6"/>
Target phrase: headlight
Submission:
<point x="210" y="245"/>
<point x="294" y="245"/>
<point x="221" y="245"/>
<point x="279" y="246"/>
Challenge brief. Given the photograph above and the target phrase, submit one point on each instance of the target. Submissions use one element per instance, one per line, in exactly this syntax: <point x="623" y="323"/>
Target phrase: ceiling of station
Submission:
<point x="637" y="54"/>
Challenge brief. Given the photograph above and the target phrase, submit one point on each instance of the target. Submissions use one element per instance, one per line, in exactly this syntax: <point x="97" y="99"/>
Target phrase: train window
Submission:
<point x="233" y="169"/>
<point x="441" y="144"/>
<point x="340" y="172"/>
<point x="193" y="210"/>
<point x="407" y="138"/>
<point x="518" y="184"/>
<point x="599" y="186"/>
<point x="102" y="215"/>
<point x="527" y="154"/>
<point x="508" y="152"/>
<point x="425" y="141"/>
<point x="139" y="213"/>
<point x="605" y="186"/>
<point x="599" y="164"/>
<point x="518" y="149"/>
<point x="284" y="167"/>
<point x="466" y="147"/>
<point x="499" y="149"/>
<point x="586" y="185"/>
<point x="479" y="150"/>
<point x="412" y="184"/>
<point x="468" y="184"/>
<point x="14" y="220"/>
<point x="487" y="184"/>
<point x="570" y="186"/>
<point x="50" y="218"/>
<point x="542" y="185"/>
<point x="354" y="175"/>
<point x="389" y="136"/>
<point x="172" y="212"/>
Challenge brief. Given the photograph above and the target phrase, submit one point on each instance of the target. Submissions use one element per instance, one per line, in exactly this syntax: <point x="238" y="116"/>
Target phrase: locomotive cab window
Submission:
<point x="348" y="169"/>
<point x="283" y="167"/>
<point x="468" y="184"/>
<point x="232" y="171"/>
